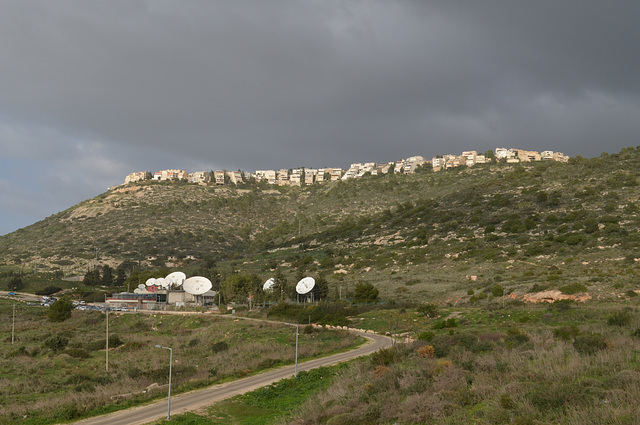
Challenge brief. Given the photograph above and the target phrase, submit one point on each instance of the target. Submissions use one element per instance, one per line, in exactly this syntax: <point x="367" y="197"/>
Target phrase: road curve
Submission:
<point x="200" y="398"/>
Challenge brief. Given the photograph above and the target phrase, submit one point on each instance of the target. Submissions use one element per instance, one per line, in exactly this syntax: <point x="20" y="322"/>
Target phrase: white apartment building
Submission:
<point x="199" y="177"/>
<point x="135" y="177"/>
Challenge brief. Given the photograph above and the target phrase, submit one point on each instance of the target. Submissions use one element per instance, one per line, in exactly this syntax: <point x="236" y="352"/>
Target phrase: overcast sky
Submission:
<point x="93" y="90"/>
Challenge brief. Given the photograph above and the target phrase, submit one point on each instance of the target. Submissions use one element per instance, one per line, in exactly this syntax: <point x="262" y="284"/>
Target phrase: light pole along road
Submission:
<point x="200" y="398"/>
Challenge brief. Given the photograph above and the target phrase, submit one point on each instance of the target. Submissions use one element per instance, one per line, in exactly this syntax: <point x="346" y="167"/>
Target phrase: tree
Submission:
<point x="60" y="310"/>
<point x="15" y="284"/>
<point x="365" y="292"/>
<point x="107" y="275"/>
<point x="92" y="277"/>
<point x="321" y="288"/>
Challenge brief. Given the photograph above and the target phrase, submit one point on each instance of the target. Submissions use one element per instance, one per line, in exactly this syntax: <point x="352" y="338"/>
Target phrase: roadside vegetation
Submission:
<point x="56" y="371"/>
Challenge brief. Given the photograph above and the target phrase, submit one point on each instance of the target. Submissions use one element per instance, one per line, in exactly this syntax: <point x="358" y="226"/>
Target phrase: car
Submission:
<point x="12" y="293"/>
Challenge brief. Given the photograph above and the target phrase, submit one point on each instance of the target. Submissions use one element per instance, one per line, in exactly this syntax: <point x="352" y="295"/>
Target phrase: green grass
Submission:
<point x="267" y="405"/>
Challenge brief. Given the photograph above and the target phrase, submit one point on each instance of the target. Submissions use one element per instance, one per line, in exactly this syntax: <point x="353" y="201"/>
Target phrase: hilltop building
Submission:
<point x="309" y="176"/>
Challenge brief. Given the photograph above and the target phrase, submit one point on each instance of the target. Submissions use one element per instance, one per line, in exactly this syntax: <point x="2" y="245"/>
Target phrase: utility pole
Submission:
<point x="107" y="344"/>
<point x="13" y="324"/>
<point x="295" y="370"/>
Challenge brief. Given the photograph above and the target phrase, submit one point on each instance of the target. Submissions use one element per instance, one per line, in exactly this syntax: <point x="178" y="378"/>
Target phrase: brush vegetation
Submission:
<point x="458" y="260"/>
<point x="57" y="371"/>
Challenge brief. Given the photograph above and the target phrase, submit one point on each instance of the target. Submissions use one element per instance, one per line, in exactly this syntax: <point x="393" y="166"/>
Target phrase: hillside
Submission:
<point x="540" y="225"/>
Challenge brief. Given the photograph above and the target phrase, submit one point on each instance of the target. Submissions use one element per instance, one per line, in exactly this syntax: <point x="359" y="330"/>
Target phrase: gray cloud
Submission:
<point x="105" y="88"/>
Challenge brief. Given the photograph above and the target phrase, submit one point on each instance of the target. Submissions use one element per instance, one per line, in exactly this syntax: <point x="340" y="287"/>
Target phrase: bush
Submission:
<point x="590" y="343"/>
<point x="115" y="341"/>
<point x="426" y="351"/>
<point x="49" y="290"/>
<point x="566" y="333"/>
<point x="573" y="288"/>
<point x="497" y="291"/>
<point x="365" y="292"/>
<point x="60" y="310"/>
<point x="448" y="323"/>
<point x="77" y="353"/>
<point x="620" y="318"/>
<point x="426" y="336"/>
<point x="56" y="343"/>
<point x="429" y="310"/>
<point x="219" y="347"/>
<point x="383" y="357"/>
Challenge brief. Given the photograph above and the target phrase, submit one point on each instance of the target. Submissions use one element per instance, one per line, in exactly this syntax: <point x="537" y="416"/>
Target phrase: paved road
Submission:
<point x="201" y="398"/>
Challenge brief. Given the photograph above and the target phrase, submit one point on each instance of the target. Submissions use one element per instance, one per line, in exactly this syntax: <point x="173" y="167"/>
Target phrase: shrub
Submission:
<point x="426" y="336"/>
<point x="383" y="357"/>
<point x="429" y="310"/>
<point x="426" y="351"/>
<point x="60" y="310"/>
<point x="77" y="353"/>
<point x="365" y="292"/>
<point x="56" y="343"/>
<point x="497" y="291"/>
<point x="566" y="333"/>
<point x="590" y="343"/>
<point x="620" y="318"/>
<point x="448" y="323"/>
<point x="49" y="290"/>
<point x="220" y="346"/>
<point x="115" y="341"/>
<point x="561" y="305"/>
<point x="573" y="288"/>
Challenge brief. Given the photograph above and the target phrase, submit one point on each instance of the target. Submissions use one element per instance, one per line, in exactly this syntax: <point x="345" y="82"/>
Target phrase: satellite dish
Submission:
<point x="142" y="287"/>
<point x="176" y="278"/>
<point x="305" y="285"/>
<point x="197" y="285"/>
<point x="162" y="283"/>
<point x="152" y="288"/>
<point x="150" y="282"/>
<point x="137" y="291"/>
<point x="268" y="285"/>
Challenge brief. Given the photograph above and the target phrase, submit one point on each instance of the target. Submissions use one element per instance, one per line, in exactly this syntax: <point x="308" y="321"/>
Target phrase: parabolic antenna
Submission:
<point x="142" y="286"/>
<point x="305" y="285"/>
<point x="150" y="282"/>
<point x="197" y="285"/>
<point x="268" y="285"/>
<point x="176" y="278"/>
<point x="162" y="283"/>
<point x="137" y="291"/>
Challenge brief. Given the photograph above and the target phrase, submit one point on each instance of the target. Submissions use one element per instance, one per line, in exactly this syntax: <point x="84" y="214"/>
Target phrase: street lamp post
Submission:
<point x="170" y="362"/>
<point x="295" y="370"/>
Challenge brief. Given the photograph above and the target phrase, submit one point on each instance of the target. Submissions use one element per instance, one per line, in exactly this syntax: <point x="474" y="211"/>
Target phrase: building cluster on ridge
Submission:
<point x="470" y="158"/>
<point x="309" y="176"/>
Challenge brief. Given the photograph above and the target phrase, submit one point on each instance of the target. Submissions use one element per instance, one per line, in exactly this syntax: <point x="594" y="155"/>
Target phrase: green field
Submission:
<point x="57" y="371"/>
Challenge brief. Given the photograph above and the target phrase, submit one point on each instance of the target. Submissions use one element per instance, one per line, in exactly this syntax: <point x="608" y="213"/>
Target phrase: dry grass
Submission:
<point x="533" y="378"/>
<point x="41" y="386"/>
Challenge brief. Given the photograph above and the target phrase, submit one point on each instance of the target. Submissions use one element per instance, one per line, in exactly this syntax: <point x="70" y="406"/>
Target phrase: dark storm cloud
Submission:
<point x="120" y="86"/>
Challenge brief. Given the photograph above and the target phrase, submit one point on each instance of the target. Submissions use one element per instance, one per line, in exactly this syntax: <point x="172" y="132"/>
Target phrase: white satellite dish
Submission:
<point x="162" y="283"/>
<point x="176" y="278"/>
<point x="150" y="282"/>
<point x="142" y="287"/>
<point x="137" y="291"/>
<point x="268" y="285"/>
<point x="197" y="285"/>
<point x="305" y="285"/>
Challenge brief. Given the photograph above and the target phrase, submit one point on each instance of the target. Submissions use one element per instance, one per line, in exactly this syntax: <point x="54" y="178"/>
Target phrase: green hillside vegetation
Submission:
<point x="527" y="227"/>
<point x="455" y="263"/>
<point x="56" y="371"/>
